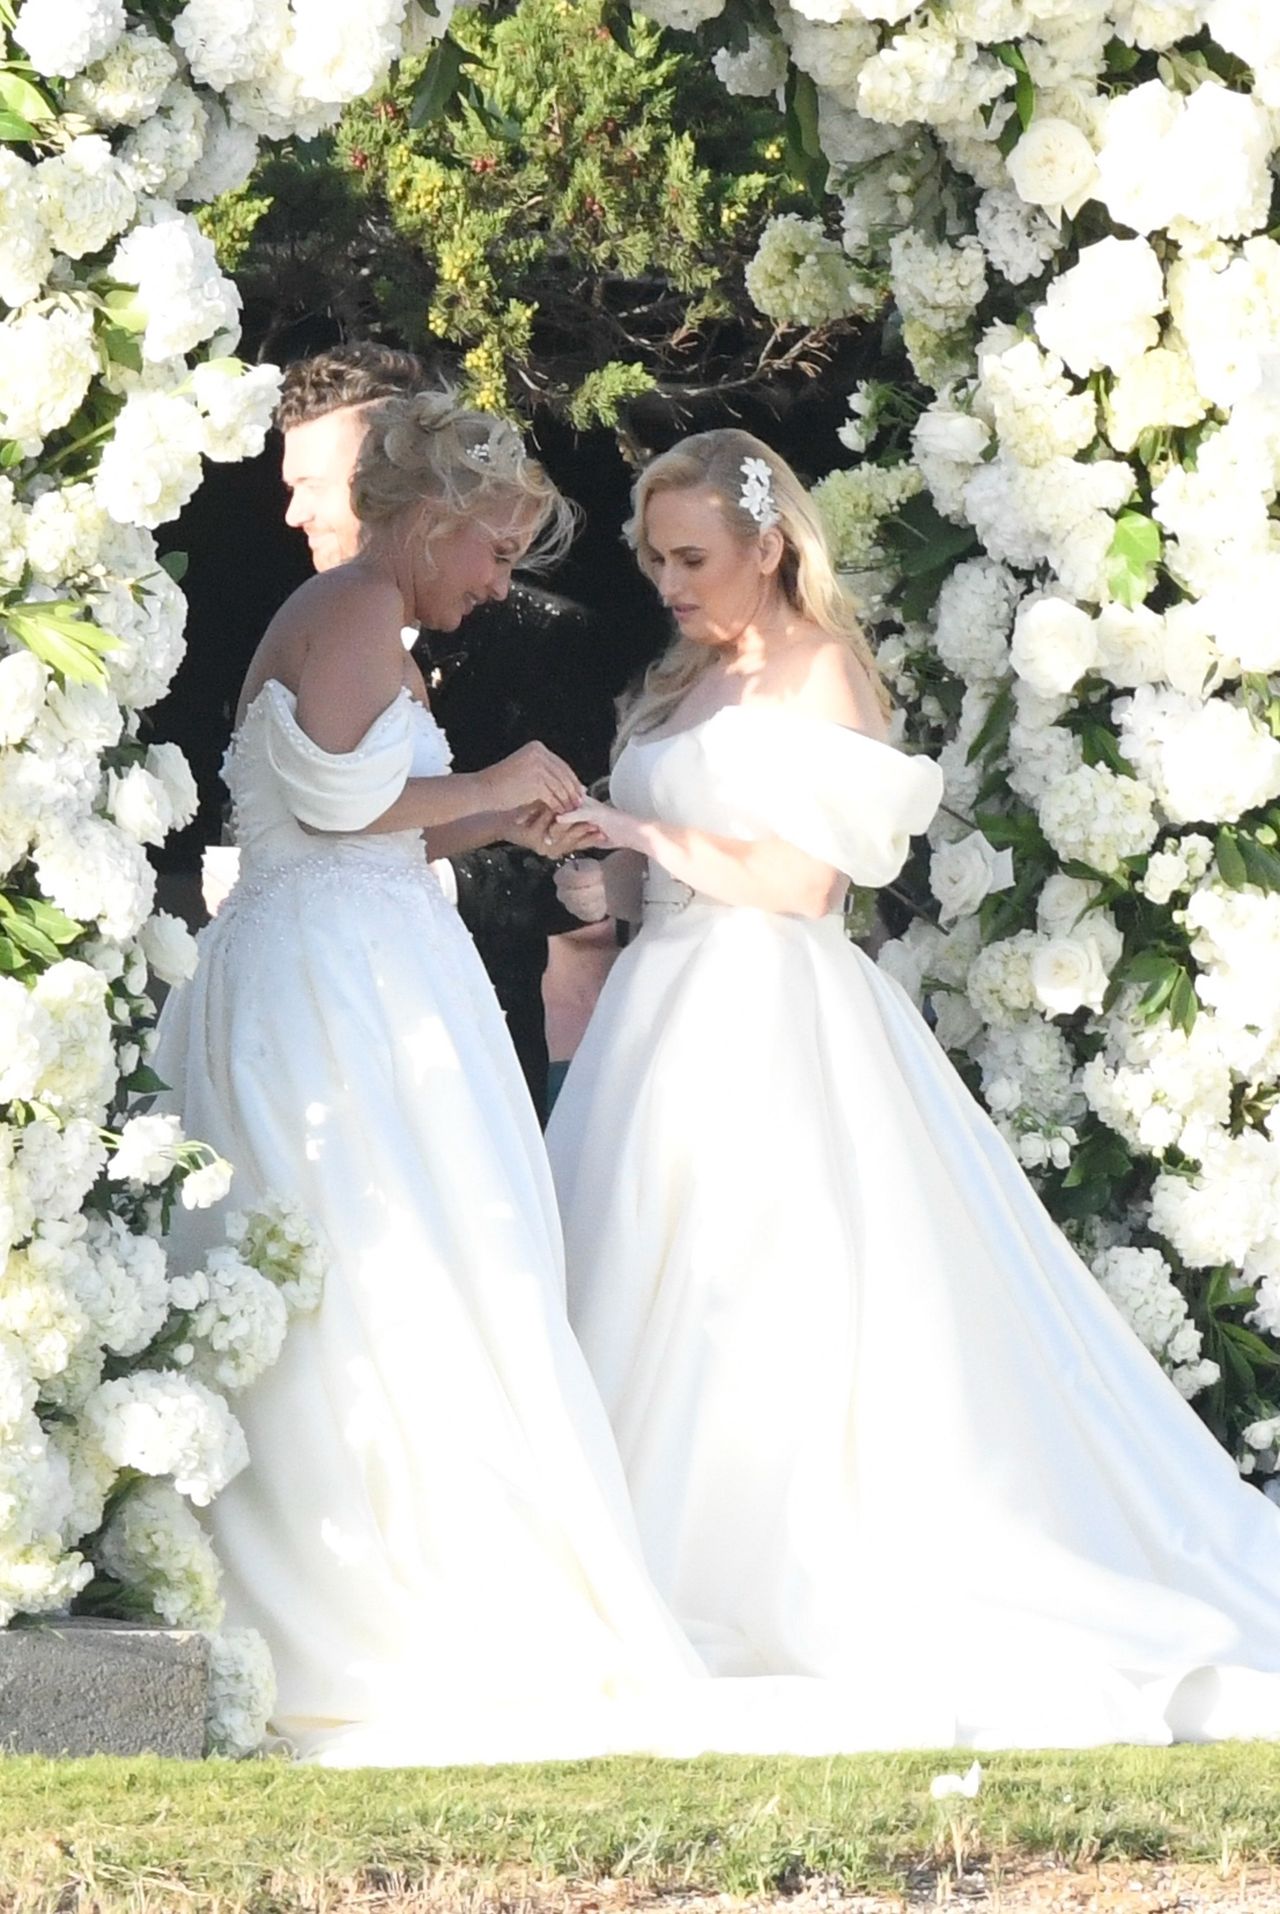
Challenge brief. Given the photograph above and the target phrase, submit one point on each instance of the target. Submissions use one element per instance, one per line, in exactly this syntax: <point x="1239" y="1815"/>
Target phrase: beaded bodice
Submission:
<point x="277" y="775"/>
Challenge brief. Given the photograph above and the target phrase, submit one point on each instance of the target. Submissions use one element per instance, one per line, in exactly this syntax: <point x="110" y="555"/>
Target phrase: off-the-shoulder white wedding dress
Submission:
<point x="433" y="1532"/>
<point x="879" y="1423"/>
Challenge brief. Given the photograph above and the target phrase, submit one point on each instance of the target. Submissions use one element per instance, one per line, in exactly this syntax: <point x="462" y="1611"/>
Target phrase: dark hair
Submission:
<point x="353" y="374"/>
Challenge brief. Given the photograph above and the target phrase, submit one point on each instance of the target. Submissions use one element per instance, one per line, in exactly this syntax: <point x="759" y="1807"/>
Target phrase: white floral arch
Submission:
<point x="1067" y="202"/>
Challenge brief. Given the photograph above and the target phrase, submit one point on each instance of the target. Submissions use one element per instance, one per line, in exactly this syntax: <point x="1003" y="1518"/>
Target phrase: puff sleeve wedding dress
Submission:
<point x="879" y="1423"/>
<point x="432" y="1533"/>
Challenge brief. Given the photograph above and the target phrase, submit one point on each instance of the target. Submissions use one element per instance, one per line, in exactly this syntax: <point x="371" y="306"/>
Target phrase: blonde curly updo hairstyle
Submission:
<point x="428" y="449"/>
<point x="806" y="576"/>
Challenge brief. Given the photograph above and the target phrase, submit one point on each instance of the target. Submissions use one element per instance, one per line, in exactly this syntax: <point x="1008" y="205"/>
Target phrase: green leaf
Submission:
<point x="122" y="347"/>
<point x="11" y="958"/>
<point x="48" y="918"/>
<point x="22" y="99"/>
<point x="58" y="633"/>
<point x="805" y="156"/>
<point x="922" y="541"/>
<point x="125" y="309"/>
<point x="144" y="1082"/>
<point x="440" y="81"/>
<point x="10" y="454"/>
<point x="994" y="724"/>
<point x="175" y="563"/>
<point x="1261" y="865"/>
<point x="14" y="129"/>
<point x="1101" y="746"/>
<point x="1184" y="1005"/>
<point x="1232" y="868"/>
<point x="1251" y="1347"/>
<point x="1132" y="558"/>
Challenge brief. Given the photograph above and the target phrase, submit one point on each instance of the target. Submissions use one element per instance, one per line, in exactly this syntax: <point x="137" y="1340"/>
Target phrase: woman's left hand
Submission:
<point x="615" y="830"/>
<point x="535" y="828"/>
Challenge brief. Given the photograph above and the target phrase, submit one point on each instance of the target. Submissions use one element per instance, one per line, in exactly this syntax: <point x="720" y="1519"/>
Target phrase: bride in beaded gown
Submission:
<point x="432" y="1533"/>
<point x="880" y="1425"/>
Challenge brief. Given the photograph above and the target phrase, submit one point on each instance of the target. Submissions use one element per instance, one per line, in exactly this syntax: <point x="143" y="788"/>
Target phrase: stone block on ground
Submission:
<point x="84" y="1687"/>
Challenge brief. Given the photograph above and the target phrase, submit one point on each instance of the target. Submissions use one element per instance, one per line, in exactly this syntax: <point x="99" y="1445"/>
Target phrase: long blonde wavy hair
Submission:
<point x="713" y="460"/>
<point x="429" y="448"/>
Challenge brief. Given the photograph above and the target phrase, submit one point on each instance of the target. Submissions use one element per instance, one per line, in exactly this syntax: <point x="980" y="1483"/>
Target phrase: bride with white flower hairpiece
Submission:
<point x="880" y="1425"/>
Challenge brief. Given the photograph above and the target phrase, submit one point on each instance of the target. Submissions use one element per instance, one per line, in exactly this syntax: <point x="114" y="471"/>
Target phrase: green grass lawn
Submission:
<point x="267" y="1836"/>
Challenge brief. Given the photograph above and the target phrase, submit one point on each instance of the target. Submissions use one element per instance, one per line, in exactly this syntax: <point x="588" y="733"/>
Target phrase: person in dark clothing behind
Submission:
<point x="515" y="671"/>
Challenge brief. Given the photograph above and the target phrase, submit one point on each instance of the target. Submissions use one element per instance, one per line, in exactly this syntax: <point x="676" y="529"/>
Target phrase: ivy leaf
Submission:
<point x="1184" y="1005"/>
<point x="1132" y="558"/>
<point x="175" y="563"/>
<point x="143" y="1081"/>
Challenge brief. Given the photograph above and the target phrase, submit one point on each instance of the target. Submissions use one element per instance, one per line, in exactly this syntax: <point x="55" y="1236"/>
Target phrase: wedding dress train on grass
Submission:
<point x="880" y="1425"/>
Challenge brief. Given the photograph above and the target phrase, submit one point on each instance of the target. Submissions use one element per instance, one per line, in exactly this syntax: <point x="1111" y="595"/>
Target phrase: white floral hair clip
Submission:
<point x="756" y="497"/>
<point x="479" y="454"/>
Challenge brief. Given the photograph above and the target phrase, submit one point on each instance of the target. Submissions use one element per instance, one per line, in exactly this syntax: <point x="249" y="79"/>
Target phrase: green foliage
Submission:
<point x="568" y="213"/>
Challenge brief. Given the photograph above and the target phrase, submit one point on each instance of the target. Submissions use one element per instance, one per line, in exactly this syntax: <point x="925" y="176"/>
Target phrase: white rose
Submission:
<point x="1067" y="973"/>
<point x="147" y="1149"/>
<point x="139" y="804"/>
<point x="169" y="947"/>
<point x="208" y="1185"/>
<point x="963" y="873"/>
<point x="1053" y="166"/>
<point x="1054" y="644"/>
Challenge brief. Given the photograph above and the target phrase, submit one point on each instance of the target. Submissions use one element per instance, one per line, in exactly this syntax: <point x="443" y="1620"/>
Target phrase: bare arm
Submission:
<point x="762" y="872"/>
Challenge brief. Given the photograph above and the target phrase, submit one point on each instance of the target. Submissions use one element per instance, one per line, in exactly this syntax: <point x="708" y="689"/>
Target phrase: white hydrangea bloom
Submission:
<point x="1251" y="29"/>
<point x="47" y="359"/>
<point x="151" y="465"/>
<point x="26" y="251"/>
<point x="242" y="1692"/>
<point x="237" y="404"/>
<point x="127" y="85"/>
<point x="85" y="196"/>
<point x="126" y="1291"/>
<point x="757" y="71"/>
<point x="1097" y="818"/>
<point x="1140" y="1284"/>
<point x="853" y="505"/>
<point x="225" y="41"/>
<point x="999" y="983"/>
<point x="168" y="1425"/>
<point x="147" y="617"/>
<point x="238" y="1320"/>
<point x="834" y="52"/>
<point x="160" y="155"/>
<point x="26" y="1042"/>
<point x="180" y="286"/>
<point x="1131" y="646"/>
<point x="1035" y="412"/>
<point x="800" y="276"/>
<point x="1228" y="1211"/>
<point x="1102" y="312"/>
<point x="96" y="874"/>
<point x="1019" y="239"/>
<point x="58" y="1166"/>
<point x="79" y="1078"/>
<point x="1206" y="762"/>
<point x="972" y="620"/>
<point x="938" y="284"/>
<point x="62" y="36"/>
<point x="1157" y="388"/>
<point x="22" y="693"/>
<point x="154" y="1543"/>
<point x="948" y="443"/>
<point x="926" y="73"/>
<point x="279" y="1240"/>
<point x="66" y="531"/>
<point x="228" y="159"/>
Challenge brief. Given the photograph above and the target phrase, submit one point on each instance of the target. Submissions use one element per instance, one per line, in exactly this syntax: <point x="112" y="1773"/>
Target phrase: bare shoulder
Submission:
<point x="343" y="632"/>
<point x="824" y="678"/>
